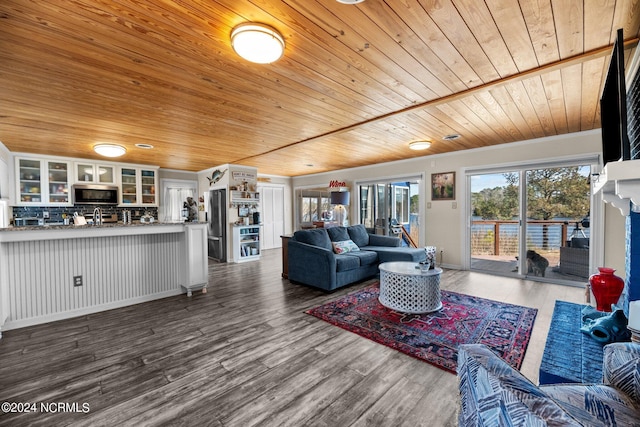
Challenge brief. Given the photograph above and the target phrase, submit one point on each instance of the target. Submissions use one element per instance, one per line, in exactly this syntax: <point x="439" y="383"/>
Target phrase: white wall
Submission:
<point x="445" y="222"/>
<point x="5" y="161"/>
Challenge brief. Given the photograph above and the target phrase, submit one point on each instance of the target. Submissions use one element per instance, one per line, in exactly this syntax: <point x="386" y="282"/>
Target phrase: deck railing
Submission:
<point x="500" y="237"/>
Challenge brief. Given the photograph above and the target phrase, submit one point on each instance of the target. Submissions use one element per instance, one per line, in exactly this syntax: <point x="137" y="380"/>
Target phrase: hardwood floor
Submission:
<point x="242" y="354"/>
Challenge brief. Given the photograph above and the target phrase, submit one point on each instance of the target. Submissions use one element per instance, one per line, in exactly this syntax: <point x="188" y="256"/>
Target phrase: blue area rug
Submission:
<point x="435" y="337"/>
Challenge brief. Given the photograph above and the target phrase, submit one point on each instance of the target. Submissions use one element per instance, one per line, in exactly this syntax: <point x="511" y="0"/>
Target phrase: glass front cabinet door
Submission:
<point x="96" y="173"/>
<point x="148" y="187"/>
<point x="29" y="181"/>
<point x="42" y="182"/>
<point x="139" y="186"/>
<point x="58" y="174"/>
<point x="129" y="181"/>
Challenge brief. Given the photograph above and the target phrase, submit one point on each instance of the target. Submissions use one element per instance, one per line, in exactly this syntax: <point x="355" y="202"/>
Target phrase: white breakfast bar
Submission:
<point x="59" y="272"/>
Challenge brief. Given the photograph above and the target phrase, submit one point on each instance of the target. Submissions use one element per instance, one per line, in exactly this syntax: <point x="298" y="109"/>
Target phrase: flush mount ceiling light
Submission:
<point x="109" y="150"/>
<point x="350" y="1"/>
<point x="257" y="43"/>
<point x="419" y="145"/>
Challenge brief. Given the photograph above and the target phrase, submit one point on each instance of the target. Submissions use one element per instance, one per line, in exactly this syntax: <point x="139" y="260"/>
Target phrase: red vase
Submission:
<point x="606" y="287"/>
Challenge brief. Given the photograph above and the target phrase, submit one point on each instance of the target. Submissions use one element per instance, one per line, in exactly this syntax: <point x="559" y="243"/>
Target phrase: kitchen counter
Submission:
<point x="55" y="272"/>
<point x="48" y="232"/>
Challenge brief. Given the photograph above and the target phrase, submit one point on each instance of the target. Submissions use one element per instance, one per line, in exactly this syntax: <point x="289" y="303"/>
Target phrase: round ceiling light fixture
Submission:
<point x="109" y="150"/>
<point x="257" y="43"/>
<point x="350" y="1"/>
<point x="419" y="145"/>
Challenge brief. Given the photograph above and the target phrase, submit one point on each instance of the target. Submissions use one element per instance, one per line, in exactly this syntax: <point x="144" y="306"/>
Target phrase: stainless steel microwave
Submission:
<point x="95" y="194"/>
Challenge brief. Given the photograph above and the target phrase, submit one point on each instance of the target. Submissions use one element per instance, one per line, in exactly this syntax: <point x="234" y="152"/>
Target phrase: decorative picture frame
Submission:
<point x="443" y="186"/>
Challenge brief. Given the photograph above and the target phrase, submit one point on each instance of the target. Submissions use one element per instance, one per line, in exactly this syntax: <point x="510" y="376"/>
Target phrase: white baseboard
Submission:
<point x="23" y="323"/>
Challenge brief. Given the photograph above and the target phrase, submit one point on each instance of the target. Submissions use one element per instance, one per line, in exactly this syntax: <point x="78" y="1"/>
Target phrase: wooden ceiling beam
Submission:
<point x="486" y="87"/>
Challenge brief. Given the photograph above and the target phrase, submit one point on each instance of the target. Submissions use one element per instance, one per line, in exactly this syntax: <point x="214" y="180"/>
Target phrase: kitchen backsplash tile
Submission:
<point x="56" y="213"/>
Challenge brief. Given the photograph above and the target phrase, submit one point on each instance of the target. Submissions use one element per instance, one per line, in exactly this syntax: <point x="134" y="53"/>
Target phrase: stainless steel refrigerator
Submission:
<point x="217" y="224"/>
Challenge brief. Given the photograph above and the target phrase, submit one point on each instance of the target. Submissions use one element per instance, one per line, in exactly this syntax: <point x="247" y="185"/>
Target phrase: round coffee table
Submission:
<point x="405" y="288"/>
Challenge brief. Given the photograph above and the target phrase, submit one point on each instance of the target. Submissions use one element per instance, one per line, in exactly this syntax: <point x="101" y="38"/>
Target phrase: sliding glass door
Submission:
<point x="550" y="241"/>
<point x="391" y="208"/>
<point x="558" y="223"/>
<point x="495" y="222"/>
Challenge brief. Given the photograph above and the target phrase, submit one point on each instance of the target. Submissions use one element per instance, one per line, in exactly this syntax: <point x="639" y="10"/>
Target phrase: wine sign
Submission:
<point x="337" y="184"/>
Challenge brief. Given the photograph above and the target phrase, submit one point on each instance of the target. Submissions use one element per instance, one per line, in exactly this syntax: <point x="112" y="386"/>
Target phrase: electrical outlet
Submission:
<point x="77" y="280"/>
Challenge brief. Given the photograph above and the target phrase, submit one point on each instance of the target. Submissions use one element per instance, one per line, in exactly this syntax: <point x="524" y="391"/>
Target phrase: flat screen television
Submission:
<point x="613" y="108"/>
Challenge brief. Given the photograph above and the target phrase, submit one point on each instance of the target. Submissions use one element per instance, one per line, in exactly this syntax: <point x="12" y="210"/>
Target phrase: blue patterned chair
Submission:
<point x="492" y="393"/>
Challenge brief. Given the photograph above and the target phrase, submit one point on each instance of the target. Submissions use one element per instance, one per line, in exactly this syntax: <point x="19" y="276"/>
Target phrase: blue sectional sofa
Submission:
<point x="330" y="258"/>
<point x="492" y="393"/>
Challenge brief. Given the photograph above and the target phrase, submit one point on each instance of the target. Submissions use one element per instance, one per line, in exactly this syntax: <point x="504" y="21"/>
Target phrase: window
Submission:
<point x="175" y="194"/>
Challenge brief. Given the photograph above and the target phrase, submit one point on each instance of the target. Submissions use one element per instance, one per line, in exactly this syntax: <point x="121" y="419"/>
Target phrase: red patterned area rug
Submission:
<point x="435" y="337"/>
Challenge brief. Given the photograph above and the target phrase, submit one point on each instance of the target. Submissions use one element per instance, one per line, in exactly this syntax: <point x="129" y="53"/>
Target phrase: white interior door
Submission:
<point x="272" y="216"/>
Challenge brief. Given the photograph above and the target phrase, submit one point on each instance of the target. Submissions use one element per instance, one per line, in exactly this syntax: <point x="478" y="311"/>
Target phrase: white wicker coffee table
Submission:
<point x="405" y="288"/>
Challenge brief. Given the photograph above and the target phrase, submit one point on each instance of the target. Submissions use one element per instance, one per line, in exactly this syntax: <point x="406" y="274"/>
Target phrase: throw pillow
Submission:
<point x="344" y="247"/>
<point x="338" y="234"/>
<point x="359" y="235"/>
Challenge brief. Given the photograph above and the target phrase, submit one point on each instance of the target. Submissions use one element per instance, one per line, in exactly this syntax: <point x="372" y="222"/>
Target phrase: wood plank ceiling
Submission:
<point x="357" y="83"/>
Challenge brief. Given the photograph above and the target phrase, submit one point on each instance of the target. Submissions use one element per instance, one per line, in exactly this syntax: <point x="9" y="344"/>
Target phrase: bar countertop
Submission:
<point x="49" y="232"/>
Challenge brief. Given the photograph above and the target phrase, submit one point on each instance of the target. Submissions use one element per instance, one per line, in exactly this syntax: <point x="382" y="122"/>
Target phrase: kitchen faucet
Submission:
<point x="97" y="216"/>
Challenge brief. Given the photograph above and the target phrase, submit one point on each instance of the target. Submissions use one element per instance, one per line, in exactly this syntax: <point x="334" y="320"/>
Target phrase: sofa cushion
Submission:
<point x="338" y="234"/>
<point x="493" y="393"/>
<point x="390" y="254"/>
<point x="366" y="257"/>
<point x="358" y="234"/>
<point x="621" y="363"/>
<point x="346" y="262"/>
<point x="316" y="237"/>
<point x="594" y="404"/>
<point x="344" y="247"/>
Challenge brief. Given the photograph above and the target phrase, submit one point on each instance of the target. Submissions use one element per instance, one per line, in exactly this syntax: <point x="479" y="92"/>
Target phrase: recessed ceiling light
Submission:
<point x="451" y="137"/>
<point x="109" y="150"/>
<point x="419" y="145"/>
<point x="350" y="1"/>
<point x="145" y="146"/>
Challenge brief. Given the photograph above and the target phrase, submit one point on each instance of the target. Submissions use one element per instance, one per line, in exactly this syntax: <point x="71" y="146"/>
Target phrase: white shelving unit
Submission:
<point x="244" y="198"/>
<point x="246" y="243"/>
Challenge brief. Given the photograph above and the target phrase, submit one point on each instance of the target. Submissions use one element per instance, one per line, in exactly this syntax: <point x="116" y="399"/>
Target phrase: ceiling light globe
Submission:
<point x="419" y="145"/>
<point x="110" y="150"/>
<point x="257" y="43"/>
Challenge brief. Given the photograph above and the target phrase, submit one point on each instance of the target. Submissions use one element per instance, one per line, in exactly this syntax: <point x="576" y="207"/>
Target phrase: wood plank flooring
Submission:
<point x="242" y="354"/>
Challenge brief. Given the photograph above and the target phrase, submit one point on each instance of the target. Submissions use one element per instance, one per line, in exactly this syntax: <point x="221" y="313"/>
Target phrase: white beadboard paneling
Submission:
<point x="116" y="270"/>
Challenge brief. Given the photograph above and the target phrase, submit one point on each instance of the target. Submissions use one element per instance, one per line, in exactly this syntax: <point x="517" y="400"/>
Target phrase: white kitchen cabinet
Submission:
<point x="246" y="243"/>
<point x="42" y="182"/>
<point x="95" y="173"/>
<point x="196" y="275"/>
<point x="138" y="186"/>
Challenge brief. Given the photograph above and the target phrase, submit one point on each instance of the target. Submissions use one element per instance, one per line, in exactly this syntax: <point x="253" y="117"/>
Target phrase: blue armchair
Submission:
<point x="492" y="393"/>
